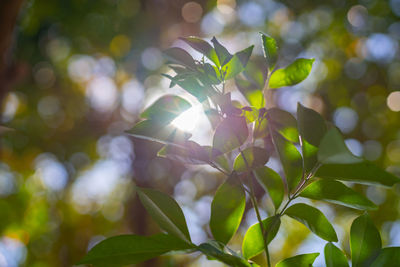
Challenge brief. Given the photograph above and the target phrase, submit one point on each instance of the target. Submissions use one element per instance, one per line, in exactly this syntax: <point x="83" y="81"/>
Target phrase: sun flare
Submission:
<point x="188" y="120"/>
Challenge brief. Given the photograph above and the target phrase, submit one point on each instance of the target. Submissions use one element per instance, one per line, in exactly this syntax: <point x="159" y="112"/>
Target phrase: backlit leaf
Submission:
<point x="272" y="183"/>
<point x="253" y="241"/>
<point x="166" y="109"/>
<point x="254" y="157"/>
<point x="270" y="49"/>
<point x="132" y="249"/>
<point x="291" y="160"/>
<point x="165" y="211"/>
<point x="179" y="56"/>
<point x="227" y="209"/>
<point x="302" y="260"/>
<point x="292" y="74"/>
<point x="230" y="134"/>
<point x="238" y="63"/>
<point x="387" y="257"/>
<point x="365" y="241"/>
<point x="336" y="192"/>
<point x="223" y="54"/>
<point x="213" y="252"/>
<point x="334" y="257"/>
<point x="203" y="47"/>
<point x="314" y="219"/>
<point x="284" y="123"/>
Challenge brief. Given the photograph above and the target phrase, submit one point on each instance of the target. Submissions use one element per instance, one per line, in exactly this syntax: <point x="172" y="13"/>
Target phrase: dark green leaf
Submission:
<point x="254" y="157"/>
<point x="364" y="172"/>
<point x="333" y="150"/>
<point x="191" y="85"/>
<point x="165" y="211"/>
<point x="302" y="260"/>
<point x="203" y="47"/>
<point x="292" y="74"/>
<point x="179" y="56"/>
<point x="253" y="241"/>
<point x="314" y="219"/>
<point x="132" y="249"/>
<point x="227" y="209"/>
<point x="231" y="133"/>
<point x="166" y="109"/>
<point x="284" y="123"/>
<point x="214" y="252"/>
<point x="388" y="257"/>
<point x="290" y="157"/>
<point x="272" y="183"/>
<point x="336" y="192"/>
<point x="223" y="54"/>
<point x="334" y="257"/>
<point x="312" y="128"/>
<point x="270" y="49"/>
<point x="365" y="241"/>
<point x="237" y="64"/>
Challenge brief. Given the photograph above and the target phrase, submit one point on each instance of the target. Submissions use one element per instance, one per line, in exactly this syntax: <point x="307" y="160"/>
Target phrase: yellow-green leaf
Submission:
<point x="292" y="74"/>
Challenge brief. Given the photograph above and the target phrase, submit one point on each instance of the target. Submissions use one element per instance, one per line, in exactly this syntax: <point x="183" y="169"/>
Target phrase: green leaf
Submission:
<point x="223" y="54"/>
<point x="191" y="85"/>
<point x="203" y="47"/>
<point x="292" y="74"/>
<point x="179" y="56"/>
<point x="312" y="128"/>
<point x="165" y="211"/>
<point x="166" y="109"/>
<point x="272" y="183"/>
<point x="387" y="257"/>
<point x="253" y="241"/>
<point x="334" y="257"/>
<point x="254" y="157"/>
<point x="314" y="219"/>
<point x="336" y="192"/>
<point x="132" y="249"/>
<point x="333" y="150"/>
<point x="365" y="241"/>
<point x="291" y="160"/>
<point x="302" y="260"/>
<point x="364" y="172"/>
<point x="227" y="209"/>
<point x="212" y="251"/>
<point x="270" y="49"/>
<point x="284" y="123"/>
<point x="238" y="63"/>
<point x="231" y="133"/>
<point x="189" y="152"/>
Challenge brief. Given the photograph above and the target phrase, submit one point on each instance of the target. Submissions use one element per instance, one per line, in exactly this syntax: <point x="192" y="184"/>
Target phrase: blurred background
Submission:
<point x="77" y="74"/>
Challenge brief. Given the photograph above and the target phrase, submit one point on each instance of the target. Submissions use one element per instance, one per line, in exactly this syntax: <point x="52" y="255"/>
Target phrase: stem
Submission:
<point x="255" y="205"/>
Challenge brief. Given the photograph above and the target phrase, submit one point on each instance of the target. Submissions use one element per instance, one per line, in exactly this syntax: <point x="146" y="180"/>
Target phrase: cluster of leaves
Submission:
<point x="312" y="152"/>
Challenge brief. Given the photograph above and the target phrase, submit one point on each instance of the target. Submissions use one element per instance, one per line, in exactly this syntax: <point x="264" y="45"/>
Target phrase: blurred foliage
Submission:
<point x="87" y="68"/>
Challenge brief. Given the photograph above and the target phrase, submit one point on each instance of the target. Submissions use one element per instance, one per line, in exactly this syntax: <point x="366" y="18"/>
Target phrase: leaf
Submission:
<point x="334" y="257"/>
<point x="314" y="219"/>
<point x="190" y="152"/>
<point x="364" y="172"/>
<point x="227" y="209"/>
<point x="365" y="241"/>
<point x="272" y="183"/>
<point x="211" y="250"/>
<point x="132" y="249"/>
<point x="253" y="241"/>
<point x="284" y="123"/>
<point x="223" y="54"/>
<point x="336" y="192"/>
<point x="179" y="56"/>
<point x="302" y="260"/>
<point x="238" y="63"/>
<point x="191" y="85"/>
<point x="165" y="211"/>
<point x="203" y="47"/>
<point x="270" y="49"/>
<point x="166" y="109"/>
<point x="152" y="131"/>
<point x="291" y="160"/>
<point x="387" y="257"/>
<point x="312" y="128"/>
<point x="254" y="157"/>
<point x="231" y="133"/>
<point x="292" y="74"/>
<point x="333" y="150"/>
